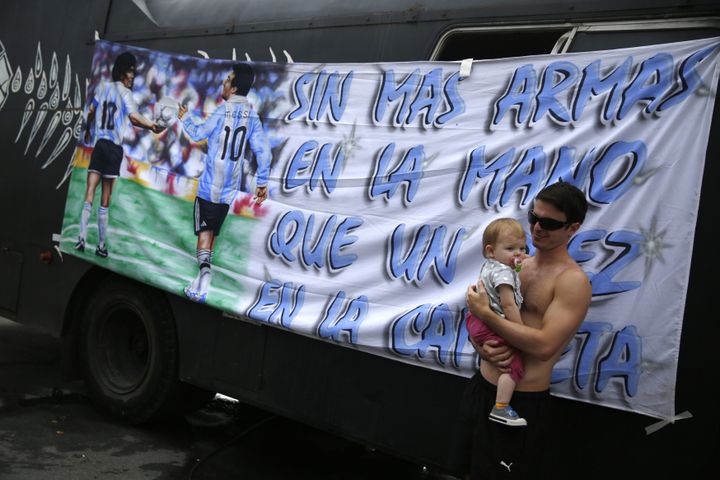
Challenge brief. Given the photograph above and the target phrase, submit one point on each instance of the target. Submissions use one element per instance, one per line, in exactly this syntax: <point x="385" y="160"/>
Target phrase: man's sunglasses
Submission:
<point x="546" y="223"/>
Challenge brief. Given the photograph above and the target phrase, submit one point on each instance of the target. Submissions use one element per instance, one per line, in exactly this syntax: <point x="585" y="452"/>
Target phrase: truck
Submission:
<point x="146" y="351"/>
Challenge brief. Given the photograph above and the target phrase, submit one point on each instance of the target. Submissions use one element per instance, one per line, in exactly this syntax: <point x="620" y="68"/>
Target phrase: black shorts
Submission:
<point x="106" y="159"/>
<point x="485" y="449"/>
<point x="209" y="215"/>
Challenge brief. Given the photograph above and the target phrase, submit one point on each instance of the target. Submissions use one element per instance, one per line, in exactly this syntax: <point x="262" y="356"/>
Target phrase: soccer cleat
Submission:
<point x="101" y="252"/>
<point x="195" y="296"/>
<point x="507" y="416"/>
<point x="80" y="245"/>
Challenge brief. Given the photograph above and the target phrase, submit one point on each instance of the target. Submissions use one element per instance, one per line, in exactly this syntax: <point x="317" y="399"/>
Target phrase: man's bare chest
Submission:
<point x="538" y="290"/>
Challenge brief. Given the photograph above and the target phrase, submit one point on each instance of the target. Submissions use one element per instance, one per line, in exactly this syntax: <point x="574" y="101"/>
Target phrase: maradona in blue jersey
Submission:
<point x="111" y="109"/>
<point x="114" y="104"/>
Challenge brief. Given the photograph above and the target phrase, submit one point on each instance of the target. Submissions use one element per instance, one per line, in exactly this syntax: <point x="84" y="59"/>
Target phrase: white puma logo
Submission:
<point x="502" y="462"/>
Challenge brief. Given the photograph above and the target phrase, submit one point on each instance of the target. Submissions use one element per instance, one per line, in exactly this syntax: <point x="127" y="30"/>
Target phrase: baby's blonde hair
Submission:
<point x="499" y="226"/>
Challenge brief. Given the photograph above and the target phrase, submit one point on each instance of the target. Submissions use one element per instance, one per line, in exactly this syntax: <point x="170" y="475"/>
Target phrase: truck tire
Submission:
<point x="129" y="351"/>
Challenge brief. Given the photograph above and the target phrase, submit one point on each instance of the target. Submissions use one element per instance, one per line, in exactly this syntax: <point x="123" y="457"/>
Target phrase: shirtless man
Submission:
<point x="557" y="295"/>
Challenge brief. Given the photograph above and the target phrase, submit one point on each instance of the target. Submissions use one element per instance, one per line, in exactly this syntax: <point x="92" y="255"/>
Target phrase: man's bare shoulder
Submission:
<point x="574" y="279"/>
<point x="573" y="272"/>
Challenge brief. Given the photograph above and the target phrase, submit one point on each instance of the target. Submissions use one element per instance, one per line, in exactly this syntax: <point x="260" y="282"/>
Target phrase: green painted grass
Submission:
<point x="151" y="239"/>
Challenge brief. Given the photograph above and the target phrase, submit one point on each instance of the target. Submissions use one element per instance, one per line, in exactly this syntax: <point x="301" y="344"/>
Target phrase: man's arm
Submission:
<point x="261" y="147"/>
<point x="561" y="320"/>
<point x="88" y="123"/>
<point x="141" y="121"/>
<point x="261" y="194"/>
<point x="500" y="355"/>
<point x="507" y="300"/>
<point x="203" y="130"/>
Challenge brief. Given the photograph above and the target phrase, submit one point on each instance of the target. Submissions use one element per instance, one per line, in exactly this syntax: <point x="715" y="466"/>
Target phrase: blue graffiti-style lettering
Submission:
<point x="426" y="331"/>
<point x="277" y="303"/>
<point x="604" y="190"/>
<point x="423" y="254"/>
<point x="315" y="254"/>
<point x="592" y="84"/>
<point x="658" y="84"/>
<point x="519" y="96"/>
<point x="409" y="172"/>
<point x="547" y="101"/>
<point x="390" y="92"/>
<point x="564" y="170"/>
<point x="455" y="101"/>
<point x="651" y="82"/>
<point x="407" y="266"/>
<point x="301" y="99"/>
<point x="427" y="98"/>
<point x="463" y="340"/>
<point x="337" y="102"/>
<point x="419" y="96"/>
<point x="528" y="174"/>
<point x="322" y="170"/>
<point x="298" y="165"/>
<point x="287" y="234"/>
<point x="330" y="90"/>
<point x="575" y="247"/>
<point x="292" y="228"/>
<point x="689" y="79"/>
<point x="477" y="169"/>
<point x="444" y="266"/>
<point x="337" y="325"/>
<point x="561" y="374"/>
<point x="602" y="281"/>
<point x="591" y="335"/>
<point x="624" y="360"/>
<point x="341" y="240"/>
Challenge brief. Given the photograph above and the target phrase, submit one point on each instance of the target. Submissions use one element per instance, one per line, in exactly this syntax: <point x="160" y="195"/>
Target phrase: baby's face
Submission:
<point x="509" y="249"/>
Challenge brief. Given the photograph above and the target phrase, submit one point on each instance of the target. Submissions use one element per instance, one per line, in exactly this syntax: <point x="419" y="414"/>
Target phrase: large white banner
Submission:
<point x="383" y="177"/>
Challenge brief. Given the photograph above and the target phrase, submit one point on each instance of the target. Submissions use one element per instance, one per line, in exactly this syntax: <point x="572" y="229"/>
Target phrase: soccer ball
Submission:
<point x="165" y="111"/>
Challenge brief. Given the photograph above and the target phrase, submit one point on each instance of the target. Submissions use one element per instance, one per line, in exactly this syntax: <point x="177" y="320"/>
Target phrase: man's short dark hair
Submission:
<point x="123" y="63"/>
<point x="567" y="198"/>
<point x="244" y="78"/>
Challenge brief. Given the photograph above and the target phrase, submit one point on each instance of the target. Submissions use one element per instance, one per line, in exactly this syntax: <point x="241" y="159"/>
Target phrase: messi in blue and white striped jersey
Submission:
<point x="228" y="130"/>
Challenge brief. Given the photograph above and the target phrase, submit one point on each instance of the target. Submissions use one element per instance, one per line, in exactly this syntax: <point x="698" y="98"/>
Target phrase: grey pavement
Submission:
<point x="49" y="430"/>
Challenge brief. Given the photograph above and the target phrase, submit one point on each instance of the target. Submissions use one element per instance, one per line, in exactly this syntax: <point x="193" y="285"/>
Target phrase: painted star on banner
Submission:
<point x="652" y="245"/>
<point x="350" y="143"/>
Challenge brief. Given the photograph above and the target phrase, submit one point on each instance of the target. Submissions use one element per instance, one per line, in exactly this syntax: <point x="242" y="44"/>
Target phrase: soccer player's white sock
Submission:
<point x="205" y="278"/>
<point x="102" y="225"/>
<point x="204" y="258"/>
<point x="84" y="219"/>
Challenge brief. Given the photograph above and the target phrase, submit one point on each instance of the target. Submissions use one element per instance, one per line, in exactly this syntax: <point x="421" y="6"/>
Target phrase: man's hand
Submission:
<point x="497" y="354"/>
<point x="157" y="128"/>
<point x="477" y="301"/>
<point x="261" y="194"/>
<point x="89" y="121"/>
<point x="182" y="110"/>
